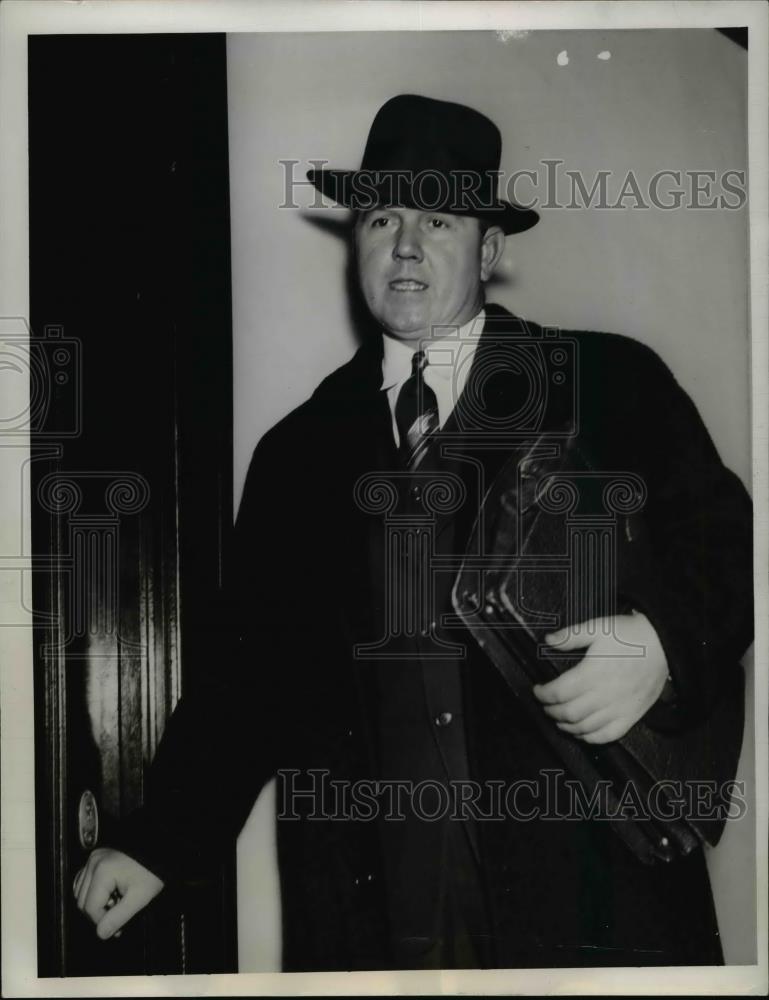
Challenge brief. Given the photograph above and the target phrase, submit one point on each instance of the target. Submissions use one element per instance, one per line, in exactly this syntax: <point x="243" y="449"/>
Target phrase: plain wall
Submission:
<point x="676" y="280"/>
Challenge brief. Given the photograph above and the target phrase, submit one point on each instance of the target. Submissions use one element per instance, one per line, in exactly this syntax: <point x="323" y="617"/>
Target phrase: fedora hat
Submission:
<point x="432" y="155"/>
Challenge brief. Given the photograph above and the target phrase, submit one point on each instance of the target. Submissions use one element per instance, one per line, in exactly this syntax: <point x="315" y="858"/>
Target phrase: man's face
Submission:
<point x="419" y="270"/>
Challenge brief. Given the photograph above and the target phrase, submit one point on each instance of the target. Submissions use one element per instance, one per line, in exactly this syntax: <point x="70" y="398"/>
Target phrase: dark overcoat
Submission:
<point x="287" y="694"/>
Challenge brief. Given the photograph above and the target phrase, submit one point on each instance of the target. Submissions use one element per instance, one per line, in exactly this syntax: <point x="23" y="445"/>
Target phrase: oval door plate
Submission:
<point x="88" y="821"/>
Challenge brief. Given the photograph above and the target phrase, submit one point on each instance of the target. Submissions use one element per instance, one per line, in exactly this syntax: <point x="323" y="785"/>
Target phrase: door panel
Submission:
<point x="132" y="468"/>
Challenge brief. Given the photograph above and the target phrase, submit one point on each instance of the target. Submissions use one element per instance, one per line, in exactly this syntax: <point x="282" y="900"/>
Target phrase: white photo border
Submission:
<point x="18" y="20"/>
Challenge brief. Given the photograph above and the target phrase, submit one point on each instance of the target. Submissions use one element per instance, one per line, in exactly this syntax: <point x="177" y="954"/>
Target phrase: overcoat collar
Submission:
<point x="479" y="433"/>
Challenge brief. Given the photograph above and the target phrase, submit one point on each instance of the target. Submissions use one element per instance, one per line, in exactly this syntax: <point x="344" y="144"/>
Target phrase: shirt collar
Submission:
<point x="397" y="354"/>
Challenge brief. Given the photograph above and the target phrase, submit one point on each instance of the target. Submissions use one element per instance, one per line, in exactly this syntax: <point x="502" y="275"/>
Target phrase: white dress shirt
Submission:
<point x="449" y="358"/>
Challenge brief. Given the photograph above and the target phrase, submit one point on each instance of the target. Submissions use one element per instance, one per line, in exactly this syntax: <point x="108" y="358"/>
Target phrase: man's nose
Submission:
<point x="408" y="245"/>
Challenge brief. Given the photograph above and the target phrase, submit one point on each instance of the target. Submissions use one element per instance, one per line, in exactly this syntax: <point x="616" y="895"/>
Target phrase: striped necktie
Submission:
<point x="416" y="414"/>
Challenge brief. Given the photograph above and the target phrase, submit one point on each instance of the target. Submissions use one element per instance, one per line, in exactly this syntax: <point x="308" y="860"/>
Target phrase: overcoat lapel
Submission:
<point x="487" y="423"/>
<point x="474" y="443"/>
<point x="360" y="445"/>
<point x="491" y="417"/>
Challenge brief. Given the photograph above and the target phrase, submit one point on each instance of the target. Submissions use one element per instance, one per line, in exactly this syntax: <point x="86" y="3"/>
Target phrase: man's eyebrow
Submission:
<point x="364" y="213"/>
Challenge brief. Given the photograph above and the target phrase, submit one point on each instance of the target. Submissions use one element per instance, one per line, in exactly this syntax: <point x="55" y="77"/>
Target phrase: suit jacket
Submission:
<point x="288" y="692"/>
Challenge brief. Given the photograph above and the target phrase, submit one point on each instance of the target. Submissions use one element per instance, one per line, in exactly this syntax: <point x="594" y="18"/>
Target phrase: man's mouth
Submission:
<point x="407" y="285"/>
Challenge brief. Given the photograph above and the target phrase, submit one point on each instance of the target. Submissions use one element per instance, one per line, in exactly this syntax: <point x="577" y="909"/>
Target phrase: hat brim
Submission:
<point x="340" y="186"/>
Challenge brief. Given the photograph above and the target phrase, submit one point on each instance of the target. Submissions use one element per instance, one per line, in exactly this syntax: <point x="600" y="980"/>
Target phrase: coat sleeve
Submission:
<point x="700" y="597"/>
<point x="222" y="741"/>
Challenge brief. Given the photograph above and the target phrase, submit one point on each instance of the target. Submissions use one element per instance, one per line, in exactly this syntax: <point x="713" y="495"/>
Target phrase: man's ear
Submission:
<point x="492" y="248"/>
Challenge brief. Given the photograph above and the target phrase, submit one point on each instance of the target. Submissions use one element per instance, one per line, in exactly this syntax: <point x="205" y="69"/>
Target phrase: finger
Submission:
<point x="574" y="710"/>
<point x="118" y="916"/>
<point x="614" y="730"/>
<point x="77" y="881"/>
<point x="590" y="724"/>
<point x="573" y="683"/>
<point x="85" y="883"/>
<point x="551" y="693"/>
<point x="580" y="635"/>
<point x="101" y="888"/>
<point x="113" y="901"/>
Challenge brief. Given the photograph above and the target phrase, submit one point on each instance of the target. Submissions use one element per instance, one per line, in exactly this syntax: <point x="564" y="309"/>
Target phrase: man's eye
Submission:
<point x="438" y="223"/>
<point x="380" y="222"/>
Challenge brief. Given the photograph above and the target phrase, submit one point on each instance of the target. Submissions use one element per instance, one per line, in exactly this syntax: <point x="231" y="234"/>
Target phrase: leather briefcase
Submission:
<point x="558" y="541"/>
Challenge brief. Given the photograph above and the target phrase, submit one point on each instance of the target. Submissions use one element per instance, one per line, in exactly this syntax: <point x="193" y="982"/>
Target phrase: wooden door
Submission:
<point x="131" y="466"/>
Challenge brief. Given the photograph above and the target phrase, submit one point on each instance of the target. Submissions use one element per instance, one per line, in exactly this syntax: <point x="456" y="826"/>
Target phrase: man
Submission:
<point x="343" y="668"/>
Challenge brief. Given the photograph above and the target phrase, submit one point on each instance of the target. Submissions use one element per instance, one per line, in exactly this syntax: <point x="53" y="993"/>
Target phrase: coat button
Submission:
<point x="443" y="719"/>
<point x="416" y="493"/>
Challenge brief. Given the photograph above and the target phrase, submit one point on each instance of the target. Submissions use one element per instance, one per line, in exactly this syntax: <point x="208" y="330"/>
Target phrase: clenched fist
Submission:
<point x="622" y="674"/>
<point x="112" y="888"/>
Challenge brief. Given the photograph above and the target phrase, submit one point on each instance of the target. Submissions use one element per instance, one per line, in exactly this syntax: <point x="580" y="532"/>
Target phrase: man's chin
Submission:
<point x="408" y="336"/>
<point x="407" y="327"/>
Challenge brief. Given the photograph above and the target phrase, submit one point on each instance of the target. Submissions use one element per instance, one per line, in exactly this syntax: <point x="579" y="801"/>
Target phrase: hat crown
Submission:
<point x="416" y="133"/>
<point x="431" y="155"/>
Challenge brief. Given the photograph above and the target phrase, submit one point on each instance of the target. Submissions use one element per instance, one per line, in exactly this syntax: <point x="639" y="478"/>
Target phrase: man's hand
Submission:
<point x="608" y="691"/>
<point x="106" y="875"/>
